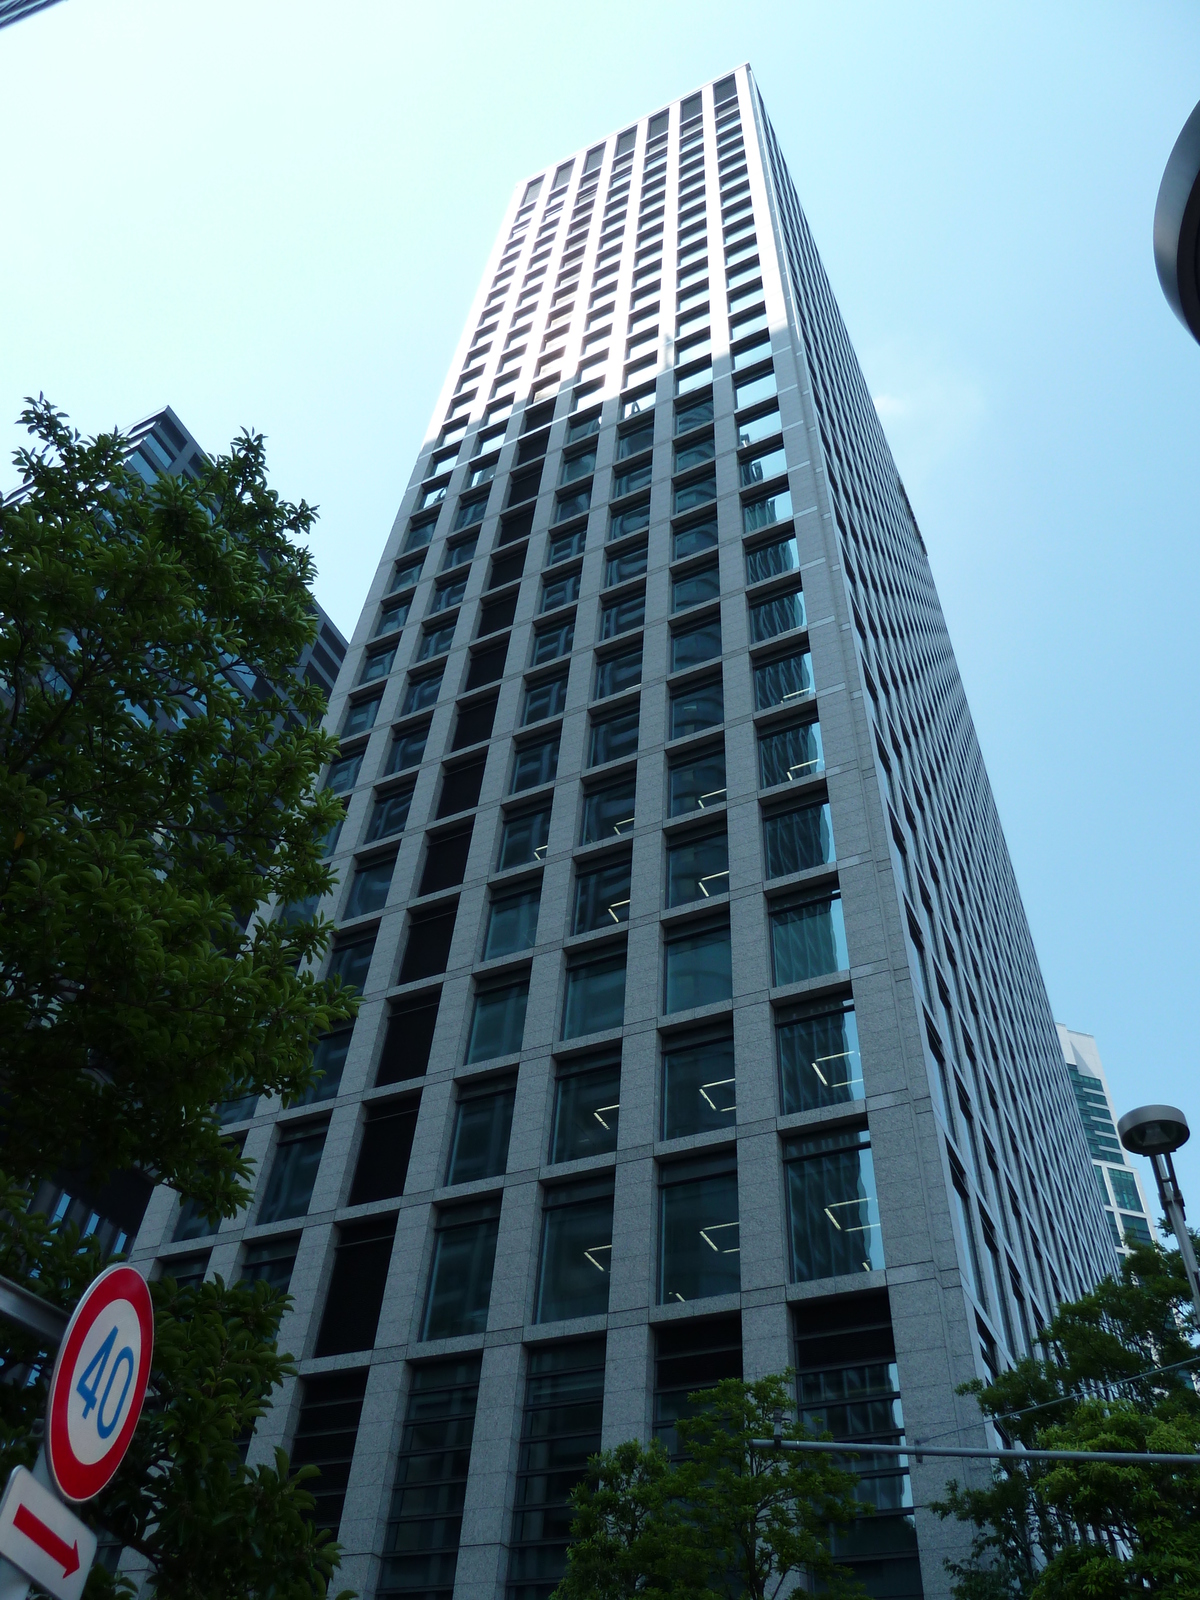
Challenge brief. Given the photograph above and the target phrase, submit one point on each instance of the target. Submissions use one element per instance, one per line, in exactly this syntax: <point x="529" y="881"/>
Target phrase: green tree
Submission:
<point x="1115" y="1372"/>
<point x="730" y="1520"/>
<point x="158" y="782"/>
<point x="153" y="791"/>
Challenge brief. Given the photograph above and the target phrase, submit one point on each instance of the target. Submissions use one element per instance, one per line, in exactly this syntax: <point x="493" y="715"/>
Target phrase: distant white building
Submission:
<point x="1120" y="1184"/>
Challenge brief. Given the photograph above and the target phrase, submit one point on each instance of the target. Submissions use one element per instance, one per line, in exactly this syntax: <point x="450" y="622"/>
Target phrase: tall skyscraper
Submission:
<point x="677" y="897"/>
<point x="1117" y="1179"/>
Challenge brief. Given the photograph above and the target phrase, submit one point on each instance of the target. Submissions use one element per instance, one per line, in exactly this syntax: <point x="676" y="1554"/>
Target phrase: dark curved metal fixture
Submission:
<point x="1177" y="227"/>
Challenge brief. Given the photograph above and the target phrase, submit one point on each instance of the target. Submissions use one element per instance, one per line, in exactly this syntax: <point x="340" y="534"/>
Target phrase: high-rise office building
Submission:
<point x="676" y="894"/>
<point x="1117" y="1179"/>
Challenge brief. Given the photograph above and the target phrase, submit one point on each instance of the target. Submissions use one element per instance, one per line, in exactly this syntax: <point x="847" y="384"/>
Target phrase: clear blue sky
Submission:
<point x="275" y="215"/>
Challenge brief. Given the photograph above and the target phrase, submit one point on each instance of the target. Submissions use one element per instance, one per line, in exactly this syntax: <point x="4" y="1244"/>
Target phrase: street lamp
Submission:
<point x="1155" y="1131"/>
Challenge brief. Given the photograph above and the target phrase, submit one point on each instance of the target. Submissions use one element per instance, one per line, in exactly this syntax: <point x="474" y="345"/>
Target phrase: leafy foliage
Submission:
<point x="1068" y="1531"/>
<point x="730" y="1520"/>
<point x="153" y="790"/>
<point x="158" y="769"/>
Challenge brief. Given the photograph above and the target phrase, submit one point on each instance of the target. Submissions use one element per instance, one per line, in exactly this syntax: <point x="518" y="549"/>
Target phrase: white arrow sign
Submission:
<point x="38" y="1534"/>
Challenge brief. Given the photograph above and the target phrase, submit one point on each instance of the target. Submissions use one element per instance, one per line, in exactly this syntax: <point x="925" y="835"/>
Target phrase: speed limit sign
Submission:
<point x="99" y="1383"/>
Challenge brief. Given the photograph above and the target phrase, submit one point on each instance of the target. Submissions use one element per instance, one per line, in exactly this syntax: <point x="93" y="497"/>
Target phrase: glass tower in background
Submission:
<point x="1117" y="1179"/>
<point x="675" y="891"/>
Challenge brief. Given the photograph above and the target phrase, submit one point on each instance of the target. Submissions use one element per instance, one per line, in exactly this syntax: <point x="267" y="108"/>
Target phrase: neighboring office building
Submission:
<point x="1119" y="1182"/>
<point x="113" y="1211"/>
<point x="1177" y="227"/>
<point x="653" y="630"/>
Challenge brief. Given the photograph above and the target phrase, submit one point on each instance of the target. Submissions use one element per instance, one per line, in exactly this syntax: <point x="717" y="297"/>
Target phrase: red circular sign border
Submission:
<point x="75" y="1480"/>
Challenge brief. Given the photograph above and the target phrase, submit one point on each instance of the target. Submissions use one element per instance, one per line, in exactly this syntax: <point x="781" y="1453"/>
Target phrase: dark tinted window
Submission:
<point x="487" y="665"/>
<point x="446" y="859"/>
<point x="383" y="1155"/>
<point x="460" y="788"/>
<point x="474" y="723"/>
<point x="428" y="947"/>
<point x="409" y="1035"/>
<point x="360" y="1268"/>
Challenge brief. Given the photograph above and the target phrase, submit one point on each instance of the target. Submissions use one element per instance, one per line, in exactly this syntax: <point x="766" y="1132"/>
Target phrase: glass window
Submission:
<point x="698" y="1230"/>
<point x="691" y="646"/>
<point x="483" y="473"/>
<point x="448" y="595"/>
<point x="392" y="619"/>
<point x="689" y="382"/>
<point x="762" y="513"/>
<point x="767" y="560"/>
<point x="761" y="469"/>
<point x="421" y="692"/>
<point x="632" y="444"/>
<point x="614" y="738"/>
<point x="427" y="948"/>
<point x="577" y="1229"/>
<point x="294" y="1171"/>
<point x="798" y="839"/>
<point x="562" y="546"/>
<point x="436" y="642"/>
<point x="1125" y="1189"/>
<point x="352" y="961"/>
<point x="498" y="1021"/>
<point x="689" y="417"/>
<point x="819" y="1063"/>
<point x="694" y="785"/>
<point x="602" y="896"/>
<point x="833" y="1211"/>
<point x="560" y="591"/>
<point x="524" y="839"/>
<point x="408" y="750"/>
<point x="697" y="536"/>
<point x="628" y="564"/>
<point x="699" y="968"/>
<point x="329" y="1062"/>
<point x="696" y="493"/>
<point x="550" y="643"/>
<point x="778" y="615"/>
<point x="622" y="615"/>
<point x="460" y="1282"/>
<point x="474" y="722"/>
<point x="343" y="774"/>
<point x="698" y="868"/>
<point x="698" y="1089"/>
<point x="694" y="454"/>
<point x="587" y="1106"/>
<point x="808" y="940"/>
<point x="754" y="390"/>
<point x="459" y="554"/>
<point x="534" y="764"/>
<point x="693" y="588"/>
<point x="369" y="888"/>
<point x="482" y="1125"/>
<point x="616" y="673"/>
<point x="573" y="505"/>
<point x="359" y="717"/>
<point x="419" y="535"/>
<point x="407" y="573"/>
<point x="700" y="705"/>
<point x="512" y="924"/>
<point x="625" y="483"/>
<point x="269" y="1260"/>
<point x="637" y="404"/>
<point x="469" y="513"/>
<point x="583" y="427"/>
<point x="608" y="812"/>
<point x="595" y="997"/>
<point x="789" y="754"/>
<point x="634" y="520"/>
<point x="786" y="678"/>
<point x="545" y="699"/>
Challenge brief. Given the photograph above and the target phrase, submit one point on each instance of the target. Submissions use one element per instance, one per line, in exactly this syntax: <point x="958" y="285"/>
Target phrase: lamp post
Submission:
<point x="1155" y="1131"/>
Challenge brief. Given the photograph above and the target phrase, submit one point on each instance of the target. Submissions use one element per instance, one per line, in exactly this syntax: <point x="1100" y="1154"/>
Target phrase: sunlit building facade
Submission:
<point x="702" y="1033"/>
<point x="1117" y="1179"/>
